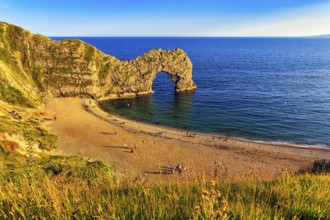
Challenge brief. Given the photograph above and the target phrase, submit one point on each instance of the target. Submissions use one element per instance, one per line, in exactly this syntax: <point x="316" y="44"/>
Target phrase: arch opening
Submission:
<point x="163" y="83"/>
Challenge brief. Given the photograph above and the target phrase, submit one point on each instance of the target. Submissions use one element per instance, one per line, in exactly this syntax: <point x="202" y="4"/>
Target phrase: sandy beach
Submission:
<point x="147" y="152"/>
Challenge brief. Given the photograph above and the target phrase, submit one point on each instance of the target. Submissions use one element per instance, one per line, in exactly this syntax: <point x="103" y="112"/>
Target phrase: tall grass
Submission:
<point x="72" y="188"/>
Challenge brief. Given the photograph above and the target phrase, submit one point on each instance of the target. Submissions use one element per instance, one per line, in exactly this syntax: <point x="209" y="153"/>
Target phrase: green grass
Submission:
<point x="299" y="197"/>
<point x="4" y="54"/>
<point x="104" y="72"/>
<point x="33" y="129"/>
<point x="73" y="188"/>
<point x="89" y="53"/>
<point x="2" y="151"/>
<point x="11" y="95"/>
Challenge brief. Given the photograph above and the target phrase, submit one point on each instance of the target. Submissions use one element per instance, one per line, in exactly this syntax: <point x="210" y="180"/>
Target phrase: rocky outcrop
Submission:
<point x="31" y="63"/>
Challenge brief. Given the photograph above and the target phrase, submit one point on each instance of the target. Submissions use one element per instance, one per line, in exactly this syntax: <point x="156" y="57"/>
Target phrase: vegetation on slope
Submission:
<point x="21" y="125"/>
<point x="12" y="95"/>
<point x="73" y="188"/>
<point x="16" y="83"/>
<point x="32" y="130"/>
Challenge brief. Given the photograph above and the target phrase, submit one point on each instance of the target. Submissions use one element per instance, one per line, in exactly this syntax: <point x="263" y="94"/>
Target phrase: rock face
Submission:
<point x="31" y="63"/>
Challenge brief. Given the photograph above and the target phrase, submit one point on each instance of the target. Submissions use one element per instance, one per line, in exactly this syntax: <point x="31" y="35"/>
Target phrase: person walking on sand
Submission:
<point x="179" y="168"/>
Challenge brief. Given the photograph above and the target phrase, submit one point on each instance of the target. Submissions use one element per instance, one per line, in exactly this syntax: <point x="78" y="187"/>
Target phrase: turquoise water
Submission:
<point x="269" y="89"/>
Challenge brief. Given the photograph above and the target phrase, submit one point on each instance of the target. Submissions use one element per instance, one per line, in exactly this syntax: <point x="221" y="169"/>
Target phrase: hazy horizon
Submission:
<point x="312" y="36"/>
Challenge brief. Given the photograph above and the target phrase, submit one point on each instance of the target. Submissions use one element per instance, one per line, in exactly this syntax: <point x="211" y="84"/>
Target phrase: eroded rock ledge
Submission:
<point x="72" y="67"/>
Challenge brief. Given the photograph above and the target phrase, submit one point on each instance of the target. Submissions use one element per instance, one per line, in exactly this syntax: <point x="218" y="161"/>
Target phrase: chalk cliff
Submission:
<point x="32" y="63"/>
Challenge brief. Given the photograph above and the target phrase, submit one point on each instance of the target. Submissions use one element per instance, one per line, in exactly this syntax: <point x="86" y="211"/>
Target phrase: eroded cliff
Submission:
<point x="32" y="63"/>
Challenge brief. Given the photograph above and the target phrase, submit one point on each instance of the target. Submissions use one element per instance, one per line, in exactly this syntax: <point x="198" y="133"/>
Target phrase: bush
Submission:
<point x="318" y="167"/>
<point x="75" y="167"/>
<point x="13" y="96"/>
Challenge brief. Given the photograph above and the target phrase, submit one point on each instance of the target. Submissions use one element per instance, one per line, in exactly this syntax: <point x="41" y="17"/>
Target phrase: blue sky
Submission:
<point x="170" y="17"/>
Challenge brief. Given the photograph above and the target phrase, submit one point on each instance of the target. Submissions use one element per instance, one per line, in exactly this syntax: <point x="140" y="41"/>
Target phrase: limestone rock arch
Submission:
<point x="142" y="71"/>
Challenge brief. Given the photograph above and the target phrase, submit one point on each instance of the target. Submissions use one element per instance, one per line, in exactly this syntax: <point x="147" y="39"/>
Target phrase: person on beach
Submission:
<point x="179" y="168"/>
<point x="227" y="137"/>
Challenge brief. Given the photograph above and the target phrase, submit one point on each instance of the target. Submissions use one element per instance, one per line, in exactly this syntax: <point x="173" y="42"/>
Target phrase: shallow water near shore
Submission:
<point x="269" y="89"/>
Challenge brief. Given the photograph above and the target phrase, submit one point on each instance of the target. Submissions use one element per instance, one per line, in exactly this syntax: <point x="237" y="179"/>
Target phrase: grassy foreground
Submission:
<point x="73" y="188"/>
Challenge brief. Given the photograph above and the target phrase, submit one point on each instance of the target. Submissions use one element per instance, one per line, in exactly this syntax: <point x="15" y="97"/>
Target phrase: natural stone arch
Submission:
<point x="142" y="71"/>
<point x="178" y="66"/>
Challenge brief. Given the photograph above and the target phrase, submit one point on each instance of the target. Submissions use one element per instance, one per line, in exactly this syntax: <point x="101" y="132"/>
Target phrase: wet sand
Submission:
<point x="146" y="151"/>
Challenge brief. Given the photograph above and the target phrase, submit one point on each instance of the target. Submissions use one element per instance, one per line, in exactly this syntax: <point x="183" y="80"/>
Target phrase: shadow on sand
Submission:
<point x="107" y="133"/>
<point x="125" y="149"/>
<point x="163" y="170"/>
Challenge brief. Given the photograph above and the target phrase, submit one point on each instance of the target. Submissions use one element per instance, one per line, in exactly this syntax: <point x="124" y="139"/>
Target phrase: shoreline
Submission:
<point x="160" y="147"/>
<point x="274" y="143"/>
<point x="268" y="142"/>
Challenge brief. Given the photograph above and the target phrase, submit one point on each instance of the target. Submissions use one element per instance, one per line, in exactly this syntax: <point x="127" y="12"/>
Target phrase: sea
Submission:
<point x="262" y="89"/>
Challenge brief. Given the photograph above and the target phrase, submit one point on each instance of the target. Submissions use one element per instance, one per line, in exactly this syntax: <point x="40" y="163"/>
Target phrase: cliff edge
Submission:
<point x="32" y="63"/>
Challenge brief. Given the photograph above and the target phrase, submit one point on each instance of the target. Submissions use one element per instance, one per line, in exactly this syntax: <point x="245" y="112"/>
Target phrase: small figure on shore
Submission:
<point x="191" y="135"/>
<point x="161" y="132"/>
<point x="179" y="168"/>
<point x="135" y="146"/>
<point x="132" y="151"/>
